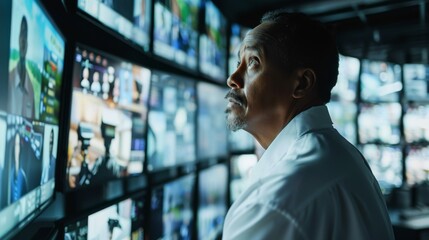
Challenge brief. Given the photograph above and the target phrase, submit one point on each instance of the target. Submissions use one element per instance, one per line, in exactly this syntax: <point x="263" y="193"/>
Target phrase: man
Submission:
<point x="21" y="92"/>
<point x="49" y="165"/>
<point x="310" y="183"/>
<point x="18" y="178"/>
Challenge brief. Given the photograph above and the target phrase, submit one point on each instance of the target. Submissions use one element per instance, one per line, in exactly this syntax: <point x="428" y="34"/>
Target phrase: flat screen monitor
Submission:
<point x="212" y="201"/>
<point x="379" y="123"/>
<point x="416" y="127"/>
<point x="241" y="141"/>
<point x="343" y="116"/>
<point x="123" y="220"/>
<point x="416" y="80"/>
<point x="107" y="120"/>
<point x="212" y="129"/>
<point x="238" y="33"/>
<point x="348" y="75"/>
<point x="171" y="136"/>
<point x="130" y="18"/>
<point x="241" y="166"/>
<point x="213" y="43"/>
<point x="417" y="164"/>
<point x="385" y="163"/>
<point x="175" y="35"/>
<point x="171" y="215"/>
<point x="31" y="79"/>
<point x="380" y="81"/>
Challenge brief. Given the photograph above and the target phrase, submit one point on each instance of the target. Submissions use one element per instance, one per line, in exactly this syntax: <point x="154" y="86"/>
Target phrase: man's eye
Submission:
<point x="238" y="64"/>
<point x="252" y="62"/>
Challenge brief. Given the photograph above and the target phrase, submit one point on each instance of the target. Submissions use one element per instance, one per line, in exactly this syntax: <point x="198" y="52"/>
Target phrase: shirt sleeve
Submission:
<point x="260" y="221"/>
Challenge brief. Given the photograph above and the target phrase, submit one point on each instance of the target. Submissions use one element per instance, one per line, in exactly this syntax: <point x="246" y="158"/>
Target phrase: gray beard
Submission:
<point x="234" y="122"/>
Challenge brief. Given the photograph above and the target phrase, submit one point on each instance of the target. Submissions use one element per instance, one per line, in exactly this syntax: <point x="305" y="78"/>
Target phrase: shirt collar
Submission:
<point x="311" y="119"/>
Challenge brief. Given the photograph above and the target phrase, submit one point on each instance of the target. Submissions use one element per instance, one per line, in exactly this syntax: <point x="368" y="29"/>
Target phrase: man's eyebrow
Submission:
<point x="255" y="48"/>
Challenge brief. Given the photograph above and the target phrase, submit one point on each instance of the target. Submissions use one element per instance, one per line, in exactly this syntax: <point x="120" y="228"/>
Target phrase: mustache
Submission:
<point x="233" y="94"/>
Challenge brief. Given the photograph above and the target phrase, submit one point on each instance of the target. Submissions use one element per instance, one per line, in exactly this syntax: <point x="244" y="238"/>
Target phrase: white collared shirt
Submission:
<point x="310" y="184"/>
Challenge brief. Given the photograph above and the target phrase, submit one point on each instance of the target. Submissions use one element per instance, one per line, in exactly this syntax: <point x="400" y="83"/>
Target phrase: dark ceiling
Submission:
<point x="392" y="30"/>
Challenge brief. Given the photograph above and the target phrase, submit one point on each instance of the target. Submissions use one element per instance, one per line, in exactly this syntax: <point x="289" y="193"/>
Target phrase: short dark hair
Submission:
<point x="305" y="42"/>
<point x="24" y="24"/>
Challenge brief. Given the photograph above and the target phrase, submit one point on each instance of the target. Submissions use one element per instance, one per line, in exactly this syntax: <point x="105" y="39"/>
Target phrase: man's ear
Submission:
<point x="305" y="82"/>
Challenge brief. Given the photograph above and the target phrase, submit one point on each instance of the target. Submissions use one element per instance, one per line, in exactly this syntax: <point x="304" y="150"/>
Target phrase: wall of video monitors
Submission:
<point x="87" y="120"/>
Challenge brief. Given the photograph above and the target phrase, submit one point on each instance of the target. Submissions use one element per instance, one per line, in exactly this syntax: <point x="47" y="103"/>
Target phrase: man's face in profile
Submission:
<point x="260" y="86"/>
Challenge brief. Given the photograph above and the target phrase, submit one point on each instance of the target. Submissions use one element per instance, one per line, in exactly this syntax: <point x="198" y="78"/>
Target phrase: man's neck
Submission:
<point x="21" y="72"/>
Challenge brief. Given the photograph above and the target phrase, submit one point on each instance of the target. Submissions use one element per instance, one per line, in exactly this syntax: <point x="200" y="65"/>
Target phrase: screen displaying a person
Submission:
<point x="21" y="92"/>
<point x="18" y="178"/>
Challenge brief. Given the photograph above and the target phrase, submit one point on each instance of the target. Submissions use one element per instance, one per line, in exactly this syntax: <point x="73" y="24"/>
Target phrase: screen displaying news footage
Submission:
<point x="417" y="164"/>
<point x="238" y="33"/>
<point x="212" y="129"/>
<point x="171" y="214"/>
<point x="241" y="166"/>
<point x="416" y="80"/>
<point x="416" y="128"/>
<point x="171" y="136"/>
<point x="213" y="43"/>
<point x="380" y="81"/>
<point x="176" y="31"/>
<point x="348" y="75"/>
<point x="29" y="112"/>
<point x="379" y="123"/>
<point x="108" y="119"/>
<point x="212" y="201"/>
<point x="130" y="18"/>
<point x="123" y="220"/>
<point x="385" y="163"/>
<point x="343" y="116"/>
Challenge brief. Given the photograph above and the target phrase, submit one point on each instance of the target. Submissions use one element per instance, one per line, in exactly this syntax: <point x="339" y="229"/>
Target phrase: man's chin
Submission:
<point x="234" y="122"/>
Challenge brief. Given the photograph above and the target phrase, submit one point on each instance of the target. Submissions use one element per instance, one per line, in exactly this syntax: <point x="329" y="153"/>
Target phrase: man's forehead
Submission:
<point x="258" y="39"/>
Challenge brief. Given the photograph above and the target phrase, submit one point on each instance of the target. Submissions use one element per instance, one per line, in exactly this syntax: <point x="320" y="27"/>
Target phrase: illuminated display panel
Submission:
<point x="241" y="166"/>
<point x="348" y="75"/>
<point x="171" y="137"/>
<point x="130" y="18"/>
<point x="212" y="129"/>
<point x="379" y="123"/>
<point x="123" y="220"/>
<point x="213" y="43"/>
<point x="416" y="128"/>
<point x="29" y="115"/>
<point x="380" y="81"/>
<point x="385" y="163"/>
<point x="416" y="80"/>
<point x="343" y="116"/>
<point x="176" y="31"/>
<point x="171" y="211"/>
<point x="212" y="201"/>
<point x="417" y="164"/>
<point x="240" y="141"/>
<point x="108" y="119"/>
